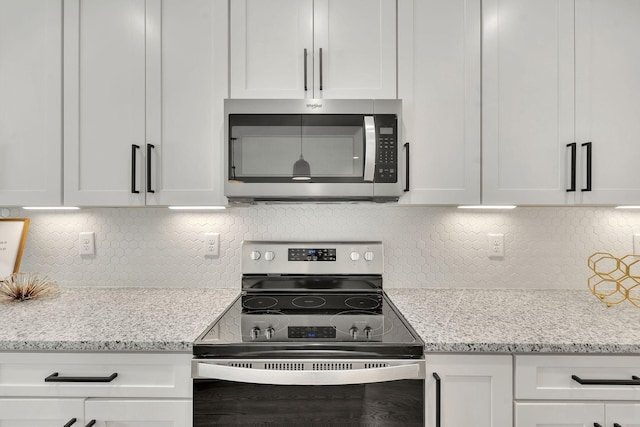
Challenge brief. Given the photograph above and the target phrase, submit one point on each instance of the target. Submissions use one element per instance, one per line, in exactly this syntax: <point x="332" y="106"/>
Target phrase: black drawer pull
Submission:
<point x="633" y="381"/>
<point x="71" y="422"/>
<point x="574" y="148"/>
<point x="438" y="398"/>
<point x="596" y="425"/>
<point x="58" y="379"/>
<point x="616" y="425"/>
<point x="589" y="169"/>
<point x="134" y="150"/>
<point x="90" y="423"/>
<point x="406" y="159"/>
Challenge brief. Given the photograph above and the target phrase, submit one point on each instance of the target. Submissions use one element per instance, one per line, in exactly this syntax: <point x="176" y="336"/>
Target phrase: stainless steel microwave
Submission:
<point x="312" y="150"/>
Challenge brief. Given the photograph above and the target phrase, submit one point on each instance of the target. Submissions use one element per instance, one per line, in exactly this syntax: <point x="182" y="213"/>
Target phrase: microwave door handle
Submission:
<point x="293" y="377"/>
<point x="370" y="148"/>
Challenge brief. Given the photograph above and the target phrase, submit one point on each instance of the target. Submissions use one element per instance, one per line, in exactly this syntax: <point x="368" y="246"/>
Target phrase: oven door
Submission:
<point x="289" y="392"/>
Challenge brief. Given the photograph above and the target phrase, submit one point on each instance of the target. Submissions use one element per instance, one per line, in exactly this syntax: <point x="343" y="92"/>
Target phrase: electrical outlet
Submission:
<point x="211" y="244"/>
<point x="636" y="244"/>
<point x="87" y="243"/>
<point x="496" y="245"/>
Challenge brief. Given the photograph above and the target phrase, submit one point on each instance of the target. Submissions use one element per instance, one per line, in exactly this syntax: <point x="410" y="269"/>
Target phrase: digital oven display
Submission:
<point x="306" y="254"/>
<point x="312" y="332"/>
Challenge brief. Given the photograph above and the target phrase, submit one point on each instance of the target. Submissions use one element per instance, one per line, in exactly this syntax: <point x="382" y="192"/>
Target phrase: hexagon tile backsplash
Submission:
<point x="424" y="246"/>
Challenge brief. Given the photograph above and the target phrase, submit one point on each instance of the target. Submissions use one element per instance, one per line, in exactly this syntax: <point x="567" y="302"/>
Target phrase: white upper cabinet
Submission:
<point x="439" y="84"/>
<point x="30" y="102"/>
<point x="607" y="98"/>
<point x="528" y="101"/>
<point x="144" y="84"/>
<point x="560" y="80"/>
<point x="313" y="49"/>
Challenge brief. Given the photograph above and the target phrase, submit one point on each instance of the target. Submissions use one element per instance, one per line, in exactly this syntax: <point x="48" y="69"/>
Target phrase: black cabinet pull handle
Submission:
<point x="134" y="149"/>
<point x="596" y="425"/>
<point x="616" y="425"/>
<point x="55" y="378"/>
<point x="589" y="158"/>
<point x="320" y="68"/>
<point x="406" y="159"/>
<point x="71" y="422"/>
<point x="438" y="397"/>
<point x="150" y="147"/>
<point x="90" y="423"/>
<point x="305" y="70"/>
<point x="574" y="149"/>
<point x="633" y="381"/>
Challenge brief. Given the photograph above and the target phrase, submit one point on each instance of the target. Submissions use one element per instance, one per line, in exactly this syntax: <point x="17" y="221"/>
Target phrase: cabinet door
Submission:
<point x="559" y="414"/>
<point x="528" y="101"/>
<point x="185" y="91"/>
<point x="607" y="101"/>
<point x="481" y="383"/>
<point x="30" y="102"/>
<point x="41" y="412"/>
<point x="358" y="42"/>
<point x="439" y="84"/>
<point x="104" y="106"/>
<point x="139" y="413"/>
<point x="626" y="415"/>
<point x="268" y="42"/>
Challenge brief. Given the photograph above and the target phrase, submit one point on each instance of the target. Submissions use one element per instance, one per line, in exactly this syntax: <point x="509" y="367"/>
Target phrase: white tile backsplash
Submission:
<point x="424" y="246"/>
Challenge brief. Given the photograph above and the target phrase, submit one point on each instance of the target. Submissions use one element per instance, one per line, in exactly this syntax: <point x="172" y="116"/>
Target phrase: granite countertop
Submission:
<point x="448" y="320"/>
<point x="519" y="321"/>
<point x="112" y="319"/>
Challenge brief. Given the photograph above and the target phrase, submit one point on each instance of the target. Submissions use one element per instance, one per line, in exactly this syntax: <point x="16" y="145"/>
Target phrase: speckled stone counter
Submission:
<point x="448" y="320"/>
<point x="112" y="319"/>
<point x="519" y="321"/>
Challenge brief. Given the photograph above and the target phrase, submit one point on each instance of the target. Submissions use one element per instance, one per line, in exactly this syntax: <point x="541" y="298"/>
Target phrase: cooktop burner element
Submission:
<point x="311" y="299"/>
<point x="362" y="303"/>
<point x="259" y="302"/>
<point x="308" y="301"/>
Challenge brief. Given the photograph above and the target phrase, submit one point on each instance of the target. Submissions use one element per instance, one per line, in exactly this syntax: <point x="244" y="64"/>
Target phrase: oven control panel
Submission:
<point x="344" y="327"/>
<point x="276" y="257"/>
<point x="307" y="254"/>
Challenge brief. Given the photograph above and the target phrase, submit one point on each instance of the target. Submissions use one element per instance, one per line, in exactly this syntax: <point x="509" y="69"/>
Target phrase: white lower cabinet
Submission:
<point x="474" y="390"/>
<point x="138" y="413"/>
<point x="33" y="412"/>
<point x="577" y="391"/>
<point x="95" y="389"/>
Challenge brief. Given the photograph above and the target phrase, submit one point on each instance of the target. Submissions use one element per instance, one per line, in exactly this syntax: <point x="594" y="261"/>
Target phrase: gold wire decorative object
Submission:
<point x="26" y="286"/>
<point x="615" y="279"/>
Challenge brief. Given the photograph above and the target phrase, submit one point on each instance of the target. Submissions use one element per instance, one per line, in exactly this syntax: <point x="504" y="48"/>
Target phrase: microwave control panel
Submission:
<point x="387" y="149"/>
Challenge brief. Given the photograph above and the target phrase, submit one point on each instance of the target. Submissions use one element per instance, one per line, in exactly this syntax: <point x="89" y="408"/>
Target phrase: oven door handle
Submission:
<point x="370" y="148"/>
<point x="292" y="377"/>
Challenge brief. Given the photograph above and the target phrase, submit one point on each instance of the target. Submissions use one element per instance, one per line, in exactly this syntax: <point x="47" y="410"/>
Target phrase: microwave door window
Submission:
<point x="265" y="152"/>
<point x="264" y="148"/>
<point x="334" y="147"/>
<point x="297" y="148"/>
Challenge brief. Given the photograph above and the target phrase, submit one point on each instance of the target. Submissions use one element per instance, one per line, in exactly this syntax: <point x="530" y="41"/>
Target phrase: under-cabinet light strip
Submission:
<point x="197" y="208"/>
<point x="51" y="208"/>
<point x="486" y="207"/>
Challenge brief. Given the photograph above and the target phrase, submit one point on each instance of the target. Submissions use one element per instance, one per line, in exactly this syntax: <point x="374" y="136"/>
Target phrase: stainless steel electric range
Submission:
<point x="312" y="340"/>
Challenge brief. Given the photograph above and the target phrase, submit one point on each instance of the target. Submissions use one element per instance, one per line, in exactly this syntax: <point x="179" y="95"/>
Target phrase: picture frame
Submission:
<point x="13" y="233"/>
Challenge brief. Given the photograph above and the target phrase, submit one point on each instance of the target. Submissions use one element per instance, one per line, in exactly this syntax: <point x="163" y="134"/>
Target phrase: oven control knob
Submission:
<point x="353" y="332"/>
<point x="368" y="332"/>
<point x="368" y="256"/>
<point x="269" y="256"/>
<point x="254" y="255"/>
<point x="355" y="256"/>
<point x="255" y="333"/>
<point x="268" y="333"/>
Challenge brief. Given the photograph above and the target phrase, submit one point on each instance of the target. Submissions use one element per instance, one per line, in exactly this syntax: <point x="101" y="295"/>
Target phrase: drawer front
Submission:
<point x="92" y="374"/>
<point x="41" y="412"/>
<point x="559" y="377"/>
